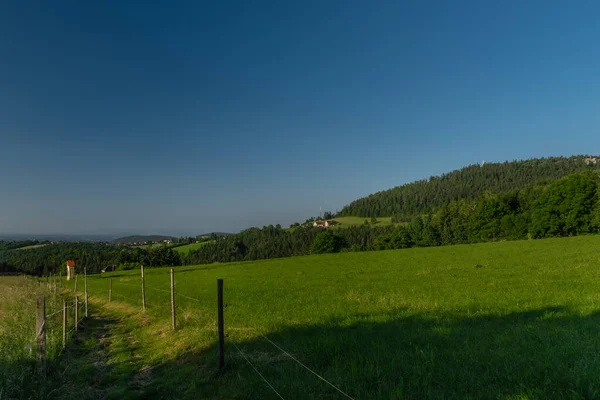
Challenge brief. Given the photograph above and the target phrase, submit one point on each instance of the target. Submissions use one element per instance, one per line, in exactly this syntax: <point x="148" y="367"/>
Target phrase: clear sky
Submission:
<point x="184" y="118"/>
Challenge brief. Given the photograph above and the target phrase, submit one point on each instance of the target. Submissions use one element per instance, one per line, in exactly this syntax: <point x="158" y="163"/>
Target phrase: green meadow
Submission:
<point x="192" y="246"/>
<point x="510" y="320"/>
<point x="345" y="222"/>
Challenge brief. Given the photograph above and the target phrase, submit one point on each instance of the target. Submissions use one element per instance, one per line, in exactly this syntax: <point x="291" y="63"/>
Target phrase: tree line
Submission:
<point x="92" y="256"/>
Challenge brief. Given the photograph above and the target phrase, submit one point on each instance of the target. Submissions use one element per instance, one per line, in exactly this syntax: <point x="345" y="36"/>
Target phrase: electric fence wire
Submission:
<point x="256" y="370"/>
<point x="307" y="368"/>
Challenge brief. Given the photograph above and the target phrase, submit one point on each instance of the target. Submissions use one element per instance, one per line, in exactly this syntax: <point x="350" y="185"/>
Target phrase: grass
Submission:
<point x="509" y="320"/>
<point x="18" y="333"/>
<point x="499" y="320"/>
<point x="192" y="246"/>
<point x="354" y="221"/>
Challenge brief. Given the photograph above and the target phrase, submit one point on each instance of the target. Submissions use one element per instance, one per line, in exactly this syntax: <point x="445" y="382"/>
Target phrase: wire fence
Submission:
<point x="56" y="316"/>
<point x="257" y="371"/>
<point x="167" y="299"/>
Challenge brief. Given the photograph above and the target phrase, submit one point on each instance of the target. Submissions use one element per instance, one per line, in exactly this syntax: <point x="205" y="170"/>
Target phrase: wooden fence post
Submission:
<point x="75" y="288"/>
<point x="40" y="329"/>
<point x="143" y="291"/>
<point x="221" y="323"/>
<point x="173" y="319"/>
<point x="65" y="310"/>
<point x="109" y="290"/>
<point x="76" y="313"/>
<point x="86" y="292"/>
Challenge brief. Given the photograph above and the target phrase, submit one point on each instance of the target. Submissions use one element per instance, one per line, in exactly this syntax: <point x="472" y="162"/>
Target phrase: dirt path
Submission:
<point x="100" y="363"/>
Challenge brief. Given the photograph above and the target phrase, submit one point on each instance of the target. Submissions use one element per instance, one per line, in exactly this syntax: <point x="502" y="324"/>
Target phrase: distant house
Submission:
<point x="325" y="224"/>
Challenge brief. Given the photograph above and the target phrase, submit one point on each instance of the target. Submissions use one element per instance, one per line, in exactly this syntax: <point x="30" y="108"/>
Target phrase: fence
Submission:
<point x="65" y="319"/>
<point x="173" y="294"/>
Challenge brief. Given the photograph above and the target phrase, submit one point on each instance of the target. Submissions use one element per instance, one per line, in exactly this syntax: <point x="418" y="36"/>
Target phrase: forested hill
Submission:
<point x="467" y="183"/>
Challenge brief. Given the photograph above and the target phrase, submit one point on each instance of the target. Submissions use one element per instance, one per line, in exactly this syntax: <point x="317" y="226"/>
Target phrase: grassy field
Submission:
<point x="192" y="246"/>
<point x="353" y="221"/>
<point x="18" y="333"/>
<point x="511" y="320"/>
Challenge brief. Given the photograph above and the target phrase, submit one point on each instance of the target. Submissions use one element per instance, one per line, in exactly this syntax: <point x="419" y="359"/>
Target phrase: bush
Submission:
<point x="129" y="266"/>
<point x="327" y="242"/>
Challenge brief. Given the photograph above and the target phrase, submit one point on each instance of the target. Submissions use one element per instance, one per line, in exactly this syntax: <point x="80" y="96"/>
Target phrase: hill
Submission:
<point x="519" y="318"/>
<point x="467" y="183"/>
<point x="142" y="238"/>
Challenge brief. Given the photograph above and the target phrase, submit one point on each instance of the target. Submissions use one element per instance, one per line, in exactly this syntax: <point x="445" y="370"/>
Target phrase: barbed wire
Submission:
<point x="261" y="375"/>
<point x="313" y="372"/>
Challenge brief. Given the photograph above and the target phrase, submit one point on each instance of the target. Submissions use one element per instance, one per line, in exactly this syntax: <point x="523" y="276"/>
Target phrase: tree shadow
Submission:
<point x="545" y="353"/>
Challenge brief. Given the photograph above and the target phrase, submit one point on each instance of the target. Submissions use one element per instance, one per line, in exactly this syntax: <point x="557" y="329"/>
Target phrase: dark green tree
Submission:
<point x="565" y="207"/>
<point x="327" y="242"/>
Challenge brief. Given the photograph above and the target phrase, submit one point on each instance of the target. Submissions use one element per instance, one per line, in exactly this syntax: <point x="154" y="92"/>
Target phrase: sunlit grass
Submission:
<point x="345" y="222"/>
<point x="18" y="332"/>
<point x="495" y="320"/>
<point x="192" y="246"/>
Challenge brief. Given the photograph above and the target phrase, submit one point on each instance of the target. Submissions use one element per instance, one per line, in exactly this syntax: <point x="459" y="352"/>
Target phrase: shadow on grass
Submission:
<point x="541" y="354"/>
<point x="546" y="353"/>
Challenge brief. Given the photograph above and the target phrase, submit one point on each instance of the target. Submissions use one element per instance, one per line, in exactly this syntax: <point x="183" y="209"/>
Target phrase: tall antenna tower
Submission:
<point x="320" y="212"/>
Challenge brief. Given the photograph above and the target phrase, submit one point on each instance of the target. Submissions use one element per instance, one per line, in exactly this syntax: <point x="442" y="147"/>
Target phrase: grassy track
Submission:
<point x="509" y="320"/>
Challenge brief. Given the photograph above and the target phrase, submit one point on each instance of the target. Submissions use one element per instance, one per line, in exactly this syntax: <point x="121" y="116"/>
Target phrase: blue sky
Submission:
<point x="184" y="118"/>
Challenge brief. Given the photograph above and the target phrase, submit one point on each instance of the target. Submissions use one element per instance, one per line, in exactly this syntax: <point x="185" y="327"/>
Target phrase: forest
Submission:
<point x="469" y="183"/>
<point x="568" y="206"/>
